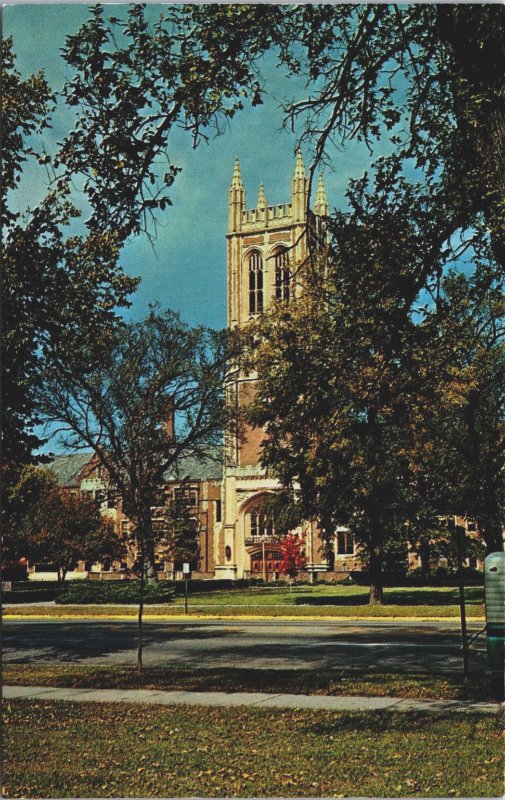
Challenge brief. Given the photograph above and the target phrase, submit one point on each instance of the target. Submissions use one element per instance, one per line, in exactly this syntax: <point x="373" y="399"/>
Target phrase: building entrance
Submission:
<point x="266" y="562"/>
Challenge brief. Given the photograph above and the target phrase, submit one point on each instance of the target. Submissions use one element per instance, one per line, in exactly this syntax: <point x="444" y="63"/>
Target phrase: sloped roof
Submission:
<point x="207" y="469"/>
<point x="66" y="467"/>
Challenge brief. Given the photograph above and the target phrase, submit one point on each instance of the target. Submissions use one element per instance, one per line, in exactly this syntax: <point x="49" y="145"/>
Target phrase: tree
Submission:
<point x="57" y="287"/>
<point x="154" y="397"/>
<point x="293" y="555"/>
<point x="24" y="489"/>
<point x="66" y="528"/>
<point x="335" y="377"/>
<point x="131" y="83"/>
<point x="182" y="532"/>
<point x="134" y="82"/>
<point x="460" y="435"/>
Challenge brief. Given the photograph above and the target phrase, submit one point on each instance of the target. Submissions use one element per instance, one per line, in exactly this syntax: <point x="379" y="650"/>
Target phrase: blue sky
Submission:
<point x="188" y="270"/>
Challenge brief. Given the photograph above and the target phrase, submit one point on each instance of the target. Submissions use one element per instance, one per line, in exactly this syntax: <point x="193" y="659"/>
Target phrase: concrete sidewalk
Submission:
<point x="250" y="699"/>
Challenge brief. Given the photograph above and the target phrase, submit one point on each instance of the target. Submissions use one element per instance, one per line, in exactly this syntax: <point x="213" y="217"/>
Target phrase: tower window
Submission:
<point x="255" y="283"/>
<point x="282" y="275"/>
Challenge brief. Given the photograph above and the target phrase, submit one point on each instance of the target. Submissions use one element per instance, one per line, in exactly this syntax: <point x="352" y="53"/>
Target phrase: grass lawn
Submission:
<point x="58" y="749"/>
<point x="303" y="601"/>
<point x="292" y="681"/>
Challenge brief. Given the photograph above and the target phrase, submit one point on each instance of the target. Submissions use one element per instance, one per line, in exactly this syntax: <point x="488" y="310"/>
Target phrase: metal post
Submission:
<point x="186" y="594"/>
<point x="464" y="641"/>
<point x="263" y="557"/>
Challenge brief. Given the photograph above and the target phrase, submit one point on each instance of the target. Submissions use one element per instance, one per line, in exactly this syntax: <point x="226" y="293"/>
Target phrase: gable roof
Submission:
<point x="67" y="467"/>
<point x="199" y="469"/>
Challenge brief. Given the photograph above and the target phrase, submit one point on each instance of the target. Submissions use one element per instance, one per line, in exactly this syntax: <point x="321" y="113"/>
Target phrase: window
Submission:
<point x="218" y="510"/>
<point x="345" y="543"/>
<point x="187" y="495"/>
<point x="255" y="283"/>
<point x="260" y="525"/>
<point x="282" y="275"/>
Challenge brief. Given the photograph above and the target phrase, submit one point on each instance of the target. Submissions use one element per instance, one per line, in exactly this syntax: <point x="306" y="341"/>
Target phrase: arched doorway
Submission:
<point x="261" y="543"/>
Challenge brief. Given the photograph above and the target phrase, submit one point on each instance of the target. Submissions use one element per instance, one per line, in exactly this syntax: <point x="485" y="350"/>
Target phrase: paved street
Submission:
<point x="392" y="646"/>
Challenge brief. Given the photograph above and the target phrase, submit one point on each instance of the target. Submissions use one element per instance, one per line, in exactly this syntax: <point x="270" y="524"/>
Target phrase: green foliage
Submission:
<point x="181" y="539"/>
<point x="58" y="289"/>
<point x="132" y="83"/>
<point x="109" y="592"/>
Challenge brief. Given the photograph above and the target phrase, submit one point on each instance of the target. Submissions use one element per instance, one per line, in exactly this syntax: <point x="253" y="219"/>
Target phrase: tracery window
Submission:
<point x="282" y="274"/>
<point x="260" y="525"/>
<point x="255" y="283"/>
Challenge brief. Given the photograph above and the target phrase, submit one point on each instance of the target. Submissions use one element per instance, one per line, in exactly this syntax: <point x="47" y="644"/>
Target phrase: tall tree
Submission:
<point x="154" y="397"/>
<point x="131" y="83"/>
<point x="460" y="435"/>
<point x="57" y="288"/>
<point x="134" y="82"/>
<point x="336" y="382"/>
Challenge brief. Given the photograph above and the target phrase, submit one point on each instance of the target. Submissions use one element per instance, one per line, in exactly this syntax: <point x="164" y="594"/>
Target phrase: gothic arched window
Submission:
<point x="259" y="523"/>
<point x="282" y="274"/>
<point x="255" y="283"/>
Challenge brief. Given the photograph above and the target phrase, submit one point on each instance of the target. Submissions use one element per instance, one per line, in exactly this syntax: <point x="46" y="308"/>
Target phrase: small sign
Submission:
<point x="6" y="586"/>
<point x="185" y="568"/>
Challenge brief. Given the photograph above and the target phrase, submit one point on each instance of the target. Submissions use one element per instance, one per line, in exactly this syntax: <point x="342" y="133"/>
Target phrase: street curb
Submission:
<point x="235" y="618"/>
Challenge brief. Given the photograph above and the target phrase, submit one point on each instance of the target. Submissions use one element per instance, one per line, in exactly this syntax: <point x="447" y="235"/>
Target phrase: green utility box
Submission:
<point x="494" y="577"/>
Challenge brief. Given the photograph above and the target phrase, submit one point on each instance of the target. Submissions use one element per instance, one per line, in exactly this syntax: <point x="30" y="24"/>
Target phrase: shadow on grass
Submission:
<point x="323" y="682"/>
<point x="398" y="597"/>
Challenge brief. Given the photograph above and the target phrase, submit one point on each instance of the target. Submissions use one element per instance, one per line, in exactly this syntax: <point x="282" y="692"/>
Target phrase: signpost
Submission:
<point x="460" y="545"/>
<point x="185" y="572"/>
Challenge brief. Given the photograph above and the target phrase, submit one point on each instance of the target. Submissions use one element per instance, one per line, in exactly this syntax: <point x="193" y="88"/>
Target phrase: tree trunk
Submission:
<point x="424" y="555"/>
<point x="147" y="531"/>
<point x="140" y="614"/>
<point x="376" y="560"/>
<point x="492" y="533"/>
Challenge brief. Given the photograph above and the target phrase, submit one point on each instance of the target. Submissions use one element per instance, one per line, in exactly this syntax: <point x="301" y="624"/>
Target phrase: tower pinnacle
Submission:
<point x="299" y="190"/>
<point x="300" y="166"/>
<point x="236" y="181"/>
<point x="236" y="199"/>
<point x="262" y="201"/>
<point x="321" y="206"/>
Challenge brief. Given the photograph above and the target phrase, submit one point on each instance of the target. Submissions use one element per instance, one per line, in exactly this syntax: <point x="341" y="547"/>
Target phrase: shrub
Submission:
<point x="115" y="592"/>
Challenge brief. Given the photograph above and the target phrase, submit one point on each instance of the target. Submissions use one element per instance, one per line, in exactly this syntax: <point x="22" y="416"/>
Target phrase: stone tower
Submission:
<point x="265" y="245"/>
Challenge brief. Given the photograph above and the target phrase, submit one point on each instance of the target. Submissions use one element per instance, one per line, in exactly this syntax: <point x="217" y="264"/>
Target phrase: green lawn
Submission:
<point x="57" y="749"/>
<point x="293" y="681"/>
<point x="303" y="601"/>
